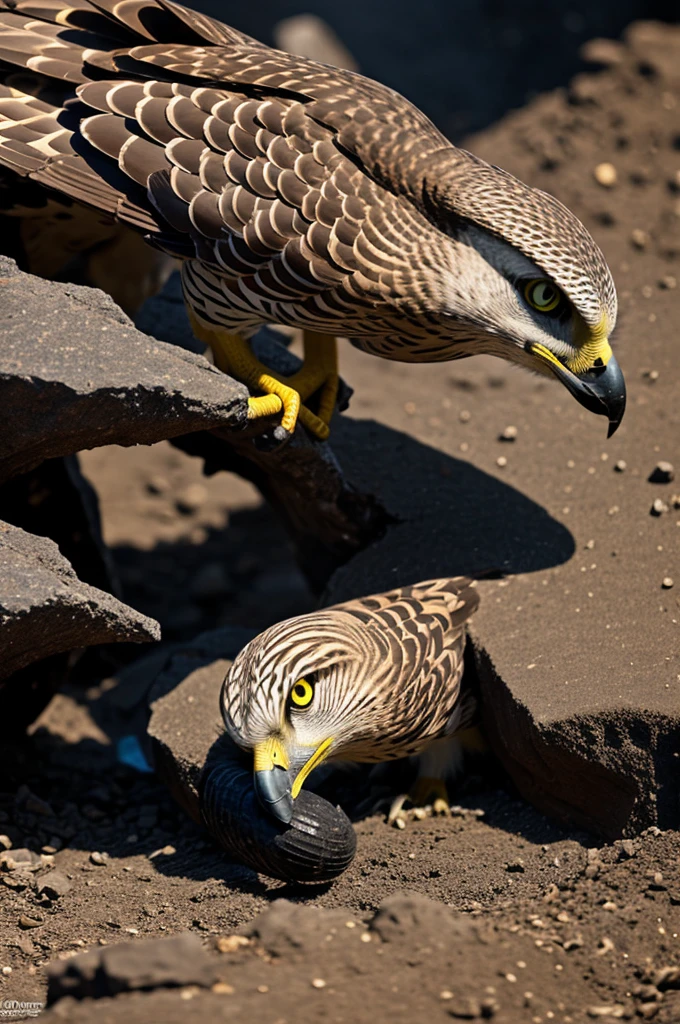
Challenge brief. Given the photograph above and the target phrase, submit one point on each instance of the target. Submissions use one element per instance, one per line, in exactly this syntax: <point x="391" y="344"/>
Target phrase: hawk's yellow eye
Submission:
<point x="301" y="694"/>
<point x="542" y="295"/>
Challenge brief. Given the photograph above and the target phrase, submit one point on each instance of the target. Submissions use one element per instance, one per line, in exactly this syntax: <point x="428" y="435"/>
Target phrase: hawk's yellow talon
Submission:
<point x="425" y="792"/>
<point x="264" y="405"/>
<point x="319" y="372"/>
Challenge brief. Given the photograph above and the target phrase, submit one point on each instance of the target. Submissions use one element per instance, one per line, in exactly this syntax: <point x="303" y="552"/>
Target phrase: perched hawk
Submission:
<point x="299" y="194"/>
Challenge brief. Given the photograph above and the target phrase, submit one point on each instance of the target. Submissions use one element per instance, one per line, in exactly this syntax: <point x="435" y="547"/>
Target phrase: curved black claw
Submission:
<point x="273" y="439"/>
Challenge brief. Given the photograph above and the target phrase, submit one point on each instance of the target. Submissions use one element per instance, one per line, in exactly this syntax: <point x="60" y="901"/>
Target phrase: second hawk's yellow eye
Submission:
<point x="542" y="295"/>
<point x="301" y="694"/>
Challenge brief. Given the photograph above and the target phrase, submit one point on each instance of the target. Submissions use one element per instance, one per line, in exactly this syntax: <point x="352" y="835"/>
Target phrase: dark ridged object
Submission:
<point x="317" y="846"/>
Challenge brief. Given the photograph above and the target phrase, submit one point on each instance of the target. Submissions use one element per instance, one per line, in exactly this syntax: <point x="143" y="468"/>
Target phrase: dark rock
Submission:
<point x="211" y="583"/>
<point x="663" y="473"/>
<point x="75" y="373"/>
<point x="55" y="500"/>
<point x="157" y="963"/>
<point x="45" y="608"/>
<point x="192" y="676"/>
<point x="35" y="805"/>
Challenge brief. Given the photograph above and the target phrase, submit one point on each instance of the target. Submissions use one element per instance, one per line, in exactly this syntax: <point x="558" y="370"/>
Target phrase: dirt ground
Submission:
<point x="530" y="922"/>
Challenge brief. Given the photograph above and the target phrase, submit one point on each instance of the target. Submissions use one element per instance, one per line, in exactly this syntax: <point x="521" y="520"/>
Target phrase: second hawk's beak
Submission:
<point x="277" y="783"/>
<point x="272" y="780"/>
<point x="600" y="388"/>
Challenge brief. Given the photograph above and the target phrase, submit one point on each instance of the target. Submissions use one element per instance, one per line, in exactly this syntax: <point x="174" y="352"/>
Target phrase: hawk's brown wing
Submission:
<point x="281" y="173"/>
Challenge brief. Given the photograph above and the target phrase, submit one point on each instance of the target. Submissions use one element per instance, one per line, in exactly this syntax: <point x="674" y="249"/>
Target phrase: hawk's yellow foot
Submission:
<point x="234" y="356"/>
<point x="425" y="792"/>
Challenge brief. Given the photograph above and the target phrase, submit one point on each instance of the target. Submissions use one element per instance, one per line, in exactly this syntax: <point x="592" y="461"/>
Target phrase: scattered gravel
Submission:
<point x="663" y="473"/>
<point x="605" y="175"/>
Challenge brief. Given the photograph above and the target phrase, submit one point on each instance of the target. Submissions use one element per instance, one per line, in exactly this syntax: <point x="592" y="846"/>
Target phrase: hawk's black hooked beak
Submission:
<point x="273" y="789"/>
<point x="272" y="778"/>
<point x="600" y="389"/>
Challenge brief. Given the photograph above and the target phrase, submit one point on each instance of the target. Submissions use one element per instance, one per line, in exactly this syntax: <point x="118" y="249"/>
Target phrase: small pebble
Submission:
<point x="230" y="943"/>
<point x="191" y="498"/>
<point x="29" y="922"/>
<point x="501" y="461"/>
<point x="668" y="282"/>
<point x="663" y="473"/>
<point x="221" y="988"/>
<point x="157" y="485"/>
<point x="318" y="983"/>
<point x="509" y="434"/>
<point x="35" y="805"/>
<point x="605" y="175"/>
<point x="667" y="582"/>
<point x="621" y="466"/>
<point x="571" y="944"/>
<point x="515" y="866"/>
<point x="99" y="858"/>
<point x="467" y="1009"/>
<point x="658" y="507"/>
<point x="639" y="238"/>
<point x="464" y="416"/>
<point x="5" y="842"/>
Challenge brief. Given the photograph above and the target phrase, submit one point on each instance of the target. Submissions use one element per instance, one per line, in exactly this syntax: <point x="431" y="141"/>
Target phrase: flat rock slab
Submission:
<point x="45" y="608"/>
<point x="185" y="714"/>
<point x="75" y="373"/>
<point x="579" y="651"/>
